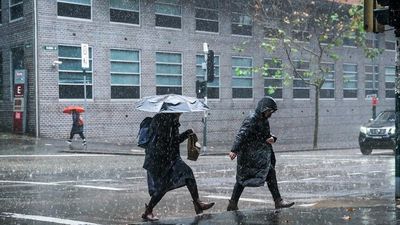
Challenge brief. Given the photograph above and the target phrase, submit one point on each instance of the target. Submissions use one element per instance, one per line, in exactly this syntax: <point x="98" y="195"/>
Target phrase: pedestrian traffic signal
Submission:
<point x="210" y="66"/>
<point x="201" y="89"/>
<point x="371" y="23"/>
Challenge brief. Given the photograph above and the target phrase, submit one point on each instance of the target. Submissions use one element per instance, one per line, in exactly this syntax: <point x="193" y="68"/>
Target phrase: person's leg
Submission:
<point x="236" y="193"/>
<point x="83" y="138"/>
<point x="199" y="206"/>
<point x="155" y="199"/>
<point x="71" y="135"/>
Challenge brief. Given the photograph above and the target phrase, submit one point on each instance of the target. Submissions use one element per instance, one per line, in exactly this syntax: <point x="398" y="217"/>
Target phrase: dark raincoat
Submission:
<point x="255" y="156"/>
<point x="76" y="127"/>
<point x="165" y="168"/>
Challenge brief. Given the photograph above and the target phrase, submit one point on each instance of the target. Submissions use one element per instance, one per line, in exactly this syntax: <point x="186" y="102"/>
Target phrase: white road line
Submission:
<point x="101" y="188"/>
<point x="331" y="176"/>
<point x="353" y="174"/>
<point x="375" y="171"/>
<point x="133" y="178"/>
<point x="223" y="171"/>
<point x="307" y="179"/>
<point x="38" y="156"/>
<point x="44" y="219"/>
<point x="201" y="172"/>
<point x="284" y="181"/>
<point x="241" y="199"/>
<point x="27" y="182"/>
<point x="307" y="205"/>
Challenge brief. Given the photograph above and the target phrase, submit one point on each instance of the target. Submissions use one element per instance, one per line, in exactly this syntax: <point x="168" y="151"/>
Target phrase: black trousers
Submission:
<point x="271" y="182"/>
<point x="71" y="135"/>
<point x="191" y="186"/>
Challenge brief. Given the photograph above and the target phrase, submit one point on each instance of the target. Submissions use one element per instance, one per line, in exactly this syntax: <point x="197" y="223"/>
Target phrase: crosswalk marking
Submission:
<point x="44" y="219"/>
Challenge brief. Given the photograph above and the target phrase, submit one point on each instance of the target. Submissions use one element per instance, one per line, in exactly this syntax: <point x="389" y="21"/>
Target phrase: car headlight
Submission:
<point x="363" y="130"/>
<point x="392" y="130"/>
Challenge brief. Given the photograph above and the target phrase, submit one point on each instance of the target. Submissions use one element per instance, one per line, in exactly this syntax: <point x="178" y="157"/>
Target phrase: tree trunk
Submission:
<point x="316" y="117"/>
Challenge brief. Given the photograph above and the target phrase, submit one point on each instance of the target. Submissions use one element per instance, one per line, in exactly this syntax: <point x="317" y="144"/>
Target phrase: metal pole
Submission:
<point x="397" y="109"/>
<point x="205" y="112"/>
<point x="85" y="102"/>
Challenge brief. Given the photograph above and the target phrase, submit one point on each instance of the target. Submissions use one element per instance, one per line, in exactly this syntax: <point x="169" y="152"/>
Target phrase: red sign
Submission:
<point x="19" y="90"/>
<point x="374" y="101"/>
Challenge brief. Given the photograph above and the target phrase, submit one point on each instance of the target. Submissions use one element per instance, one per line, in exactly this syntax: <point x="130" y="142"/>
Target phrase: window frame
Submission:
<point x="241" y="15"/>
<point x="375" y="80"/>
<point x="354" y="80"/>
<point x="233" y="68"/>
<point x="170" y="15"/>
<point x="75" y="18"/>
<point x="139" y="74"/>
<point x="333" y="80"/>
<point x="272" y="78"/>
<point x="208" y="20"/>
<point x="169" y="63"/>
<point x="10" y="5"/>
<point x="120" y="9"/>
<point x="393" y="75"/>
<point x="299" y="62"/>
<point x="88" y="83"/>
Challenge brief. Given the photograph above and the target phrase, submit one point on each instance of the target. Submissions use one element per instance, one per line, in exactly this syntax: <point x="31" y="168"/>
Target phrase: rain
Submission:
<point x="199" y="112"/>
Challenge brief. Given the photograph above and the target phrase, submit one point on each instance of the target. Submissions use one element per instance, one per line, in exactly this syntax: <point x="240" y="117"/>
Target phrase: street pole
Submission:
<point x="205" y="50"/>
<point x="397" y="96"/>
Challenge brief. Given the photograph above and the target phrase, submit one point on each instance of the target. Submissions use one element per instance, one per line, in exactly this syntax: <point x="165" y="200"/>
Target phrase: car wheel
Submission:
<point x="366" y="150"/>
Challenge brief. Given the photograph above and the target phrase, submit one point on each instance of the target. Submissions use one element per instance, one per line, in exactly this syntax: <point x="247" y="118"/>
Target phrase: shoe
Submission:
<point x="283" y="204"/>
<point x="199" y="206"/>
<point x="84" y="142"/>
<point x="69" y="142"/>
<point x="232" y="206"/>
<point x="148" y="215"/>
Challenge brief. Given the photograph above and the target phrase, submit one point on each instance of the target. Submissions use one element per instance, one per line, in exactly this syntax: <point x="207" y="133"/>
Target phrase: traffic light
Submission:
<point x="201" y="88"/>
<point x="210" y="66"/>
<point x="371" y="23"/>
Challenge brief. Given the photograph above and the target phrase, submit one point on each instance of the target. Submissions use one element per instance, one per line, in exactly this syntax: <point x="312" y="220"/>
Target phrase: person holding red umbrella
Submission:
<point x="77" y="127"/>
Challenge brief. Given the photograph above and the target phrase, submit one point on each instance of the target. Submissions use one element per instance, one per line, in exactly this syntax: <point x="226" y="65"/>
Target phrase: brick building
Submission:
<point x="148" y="47"/>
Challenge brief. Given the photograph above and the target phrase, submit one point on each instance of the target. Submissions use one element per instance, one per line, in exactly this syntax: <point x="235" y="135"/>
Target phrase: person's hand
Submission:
<point x="190" y="131"/>
<point x="270" y="140"/>
<point x="232" y="155"/>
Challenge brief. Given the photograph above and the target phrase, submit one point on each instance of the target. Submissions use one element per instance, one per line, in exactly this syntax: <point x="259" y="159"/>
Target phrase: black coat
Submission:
<point x="165" y="168"/>
<point x="253" y="152"/>
<point x="76" y="127"/>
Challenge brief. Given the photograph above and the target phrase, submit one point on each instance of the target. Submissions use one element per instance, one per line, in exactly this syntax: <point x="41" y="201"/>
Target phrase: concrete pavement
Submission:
<point x="358" y="213"/>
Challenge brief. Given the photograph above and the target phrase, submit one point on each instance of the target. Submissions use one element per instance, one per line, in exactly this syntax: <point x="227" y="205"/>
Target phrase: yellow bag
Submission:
<point x="193" y="147"/>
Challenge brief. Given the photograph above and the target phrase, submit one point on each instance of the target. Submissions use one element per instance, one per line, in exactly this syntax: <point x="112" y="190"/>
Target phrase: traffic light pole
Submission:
<point x="397" y="95"/>
<point x="205" y="49"/>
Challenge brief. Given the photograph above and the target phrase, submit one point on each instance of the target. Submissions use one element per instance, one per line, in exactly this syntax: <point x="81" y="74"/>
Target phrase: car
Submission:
<point x="378" y="133"/>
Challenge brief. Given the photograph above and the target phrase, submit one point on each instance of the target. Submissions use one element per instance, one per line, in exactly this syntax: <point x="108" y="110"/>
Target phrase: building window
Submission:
<point x="17" y="61"/>
<point x="300" y="88"/>
<point x="273" y="81"/>
<point x="70" y="73"/>
<point x="242" y="24"/>
<point x="125" y="74"/>
<point x="168" y="73"/>
<point x="213" y="87"/>
<point x="328" y="88"/>
<point x="242" y="77"/>
<point x="349" y="41"/>
<point x="1" y="77"/>
<point x="81" y="9"/>
<point x="350" y="80"/>
<point x="390" y="45"/>
<point x="168" y="13"/>
<point x="207" y="15"/>
<point x="16" y="9"/>
<point x="372" y="41"/>
<point x="1" y="21"/>
<point x="301" y="36"/>
<point x="271" y="33"/>
<point x="390" y="77"/>
<point x="371" y="80"/>
<point x="124" y="11"/>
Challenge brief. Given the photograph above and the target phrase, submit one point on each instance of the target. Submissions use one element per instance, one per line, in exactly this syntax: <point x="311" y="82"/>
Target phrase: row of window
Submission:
<point x="125" y="72"/>
<point x="16" y="10"/>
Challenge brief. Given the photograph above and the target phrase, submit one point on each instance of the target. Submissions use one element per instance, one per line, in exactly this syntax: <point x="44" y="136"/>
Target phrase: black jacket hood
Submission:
<point x="265" y="104"/>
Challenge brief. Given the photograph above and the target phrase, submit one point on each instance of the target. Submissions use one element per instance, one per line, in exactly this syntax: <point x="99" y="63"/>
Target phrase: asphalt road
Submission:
<point x="112" y="189"/>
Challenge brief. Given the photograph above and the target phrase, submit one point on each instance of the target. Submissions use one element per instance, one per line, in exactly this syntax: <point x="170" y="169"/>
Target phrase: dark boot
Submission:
<point x="199" y="206"/>
<point x="280" y="203"/>
<point x="148" y="214"/>
<point x="232" y="206"/>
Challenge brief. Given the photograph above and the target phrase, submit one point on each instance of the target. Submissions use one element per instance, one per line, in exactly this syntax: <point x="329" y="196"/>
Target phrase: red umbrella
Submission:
<point x="70" y="108"/>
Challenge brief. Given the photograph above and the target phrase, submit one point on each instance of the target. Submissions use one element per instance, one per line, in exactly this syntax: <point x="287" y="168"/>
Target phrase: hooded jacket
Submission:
<point x="250" y="145"/>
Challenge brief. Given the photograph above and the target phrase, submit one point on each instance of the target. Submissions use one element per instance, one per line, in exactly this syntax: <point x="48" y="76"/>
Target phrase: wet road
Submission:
<point x="110" y="189"/>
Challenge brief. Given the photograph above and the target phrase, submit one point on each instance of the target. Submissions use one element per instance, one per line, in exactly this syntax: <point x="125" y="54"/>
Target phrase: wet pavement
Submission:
<point x="105" y="184"/>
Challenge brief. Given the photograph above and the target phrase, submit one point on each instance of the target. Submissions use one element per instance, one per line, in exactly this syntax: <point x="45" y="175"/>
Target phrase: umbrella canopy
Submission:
<point x="70" y="108"/>
<point x="170" y="103"/>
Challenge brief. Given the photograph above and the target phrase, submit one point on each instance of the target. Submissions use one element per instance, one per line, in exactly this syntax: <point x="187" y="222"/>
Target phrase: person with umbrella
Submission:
<point x="165" y="168"/>
<point x="256" y="159"/>
<point x="77" y="126"/>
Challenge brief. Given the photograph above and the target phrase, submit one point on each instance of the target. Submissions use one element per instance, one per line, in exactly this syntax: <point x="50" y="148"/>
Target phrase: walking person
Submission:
<point x="165" y="168"/>
<point x="77" y="128"/>
<point x="255" y="156"/>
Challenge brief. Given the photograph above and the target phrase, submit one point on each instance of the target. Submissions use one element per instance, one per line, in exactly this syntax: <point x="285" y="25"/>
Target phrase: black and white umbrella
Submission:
<point x="171" y="103"/>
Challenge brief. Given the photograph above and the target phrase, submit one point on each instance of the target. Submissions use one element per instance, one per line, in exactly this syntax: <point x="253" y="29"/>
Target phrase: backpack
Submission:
<point x="144" y="134"/>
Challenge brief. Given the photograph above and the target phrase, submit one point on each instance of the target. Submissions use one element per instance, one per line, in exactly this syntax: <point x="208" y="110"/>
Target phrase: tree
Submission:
<point x="306" y="34"/>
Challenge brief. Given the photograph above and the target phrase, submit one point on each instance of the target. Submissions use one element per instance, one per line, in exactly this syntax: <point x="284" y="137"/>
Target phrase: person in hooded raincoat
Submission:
<point x="165" y="168"/>
<point x="255" y="157"/>
<point x="77" y="128"/>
